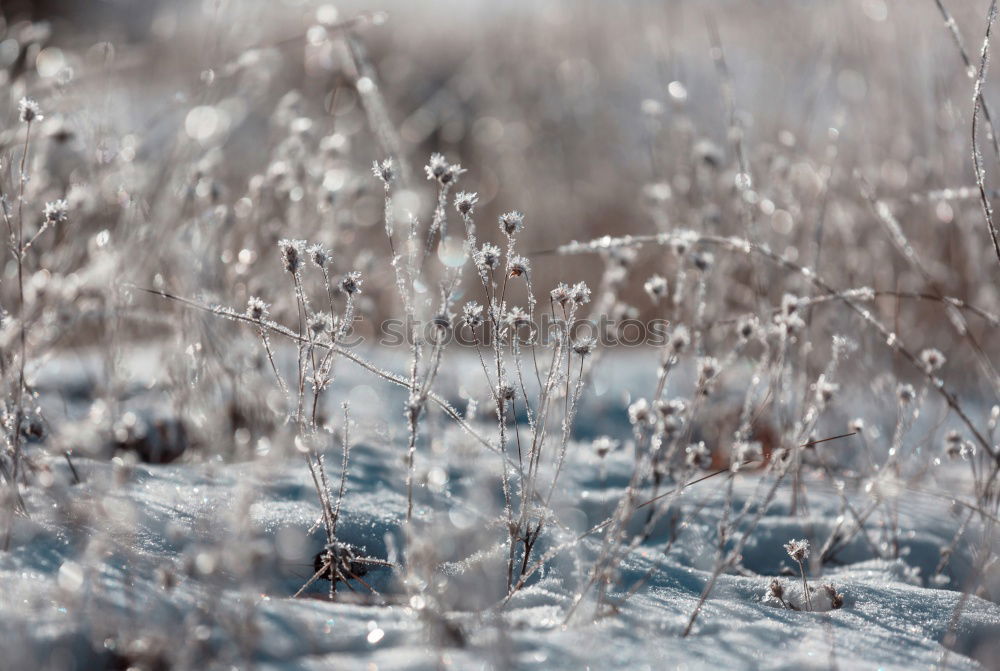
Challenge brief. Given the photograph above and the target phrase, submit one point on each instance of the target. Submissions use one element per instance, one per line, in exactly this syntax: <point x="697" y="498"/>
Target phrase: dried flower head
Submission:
<point x="638" y="412"/>
<point x="472" y="314"/>
<point x="257" y="309"/>
<point x="697" y="455"/>
<point x="932" y="359"/>
<point x="584" y="346"/>
<point x="747" y="327"/>
<point x="604" y="445"/>
<point x="292" y="252"/>
<point x="487" y="257"/>
<point x="28" y="110"/>
<point x="511" y="223"/>
<point x="703" y="261"/>
<point x="579" y="293"/>
<point x="836" y="599"/>
<point x="439" y="169"/>
<point x="905" y="393"/>
<point x="319" y="255"/>
<point x="656" y="287"/>
<point x="56" y="212"/>
<point x="797" y="550"/>
<point x="708" y="368"/>
<point x="680" y="339"/>
<point x="385" y="171"/>
<point x="518" y="266"/>
<point x="350" y="283"/>
<point x="319" y="324"/>
<point x="465" y="201"/>
<point x="825" y="389"/>
<point x="560" y="295"/>
<point x="776" y="589"/>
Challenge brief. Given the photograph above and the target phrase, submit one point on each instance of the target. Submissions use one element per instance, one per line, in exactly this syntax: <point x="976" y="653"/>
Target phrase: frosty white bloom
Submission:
<point x="708" y="368"/>
<point x="656" y="287"/>
<point x="797" y="550"/>
<point x="638" y="412"/>
<point x="28" y="110"/>
<point x="350" y="284"/>
<point x="905" y="393"/>
<point x="487" y="257"/>
<point x="385" y="171"/>
<point x="292" y="252"/>
<point x="560" y="295"/>
<point x="319" y="324"/>
<point x="747" y="327"/>
<point x="680" y="339"/>
<point x="319" y="255"/>
<point x="579" y="293"/>
<point x="56" y="212"/>
<point x="518" y="266"/>
<point x="465" y="201"/>
<point x="604" y="445"/>
<point x="932" y="359"/>
<point x="511" y="223"/>
<point x="440" y="170"/>
<point x="825" y="390"/>
<point x="584" y="346"/>
<point x="257" y="309"/>
<point x="472" y="314"/>
<point x="703" y="261"/>
<point x="698" y="455"/>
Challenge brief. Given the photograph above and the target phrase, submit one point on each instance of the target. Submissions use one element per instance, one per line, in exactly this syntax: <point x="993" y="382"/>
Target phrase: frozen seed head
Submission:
<point x="708" y="368"/>
<point x="905" y="393"/>
<point x="320" y="324"/>
<point x="698" y="455"/>
<point x="789" y="304"/>
<point x="672" y="408"/>
<point x="932" y="359"/>
<point x="579" y="293"/>
<point x="465" y="201"/>
<point x="257" y="309"/>
<point x="584" y="346"/>
<point x="702" y="261"/>
<point x="56" y="212"/>
<point x="604" y="445"/>
<point x="518" y="266"/>
<point x="776" y="590"/>
<point x="385" y="171"/>
<point x="836" y="599"/>
<point x="857" y="425"/>
<point x="825" y="390"/>
<point x="797" y="550"/>
<point x="472" y="314"/>
<point x="350" y="284"/>
<point x="487" y="257"/>
<point x="680" y="339"/>
<point x="506" y="391"/>
<point x="638" y="412"/>
<point x="28" y="110"/>
<point x="441" y="171"/>
<point x="656" y="287"/>
<point x="560" y="295"/>
<point x="681" y="244"/>
<point x="511" y="223"/>
<point x="319" y="256"/>
<point x="292" y="252"/>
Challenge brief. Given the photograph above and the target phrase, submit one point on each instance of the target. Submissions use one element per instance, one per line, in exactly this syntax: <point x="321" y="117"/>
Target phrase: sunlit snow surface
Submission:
<point x="197" y="563"/>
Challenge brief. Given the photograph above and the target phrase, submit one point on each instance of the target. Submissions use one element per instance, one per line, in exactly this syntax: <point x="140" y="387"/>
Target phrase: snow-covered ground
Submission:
<point x="195" y="564"/>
